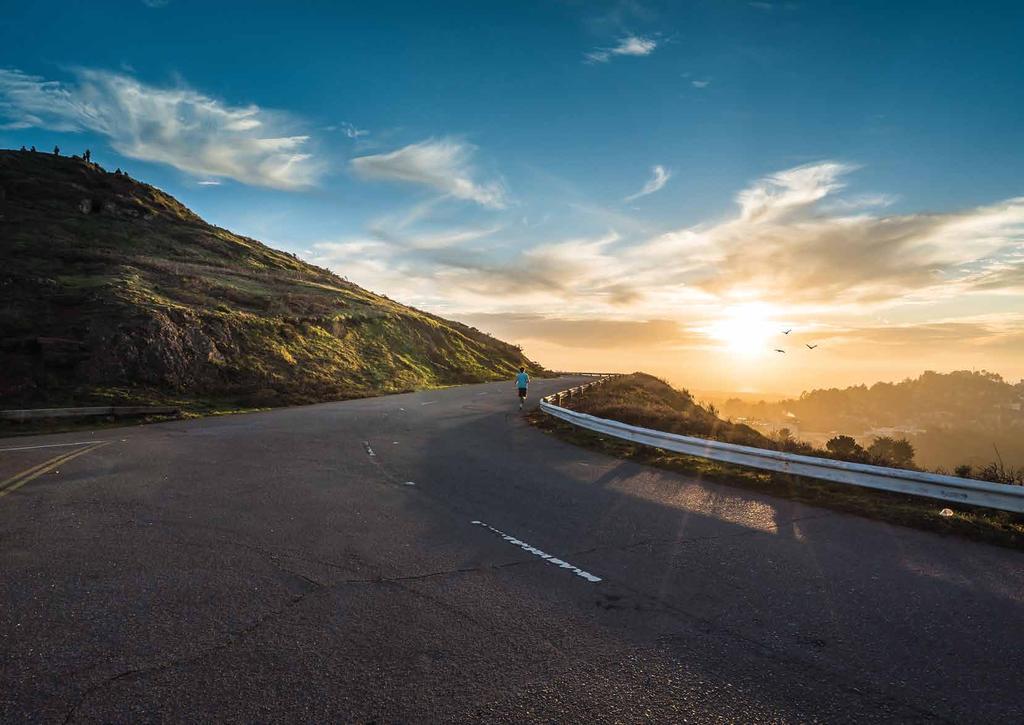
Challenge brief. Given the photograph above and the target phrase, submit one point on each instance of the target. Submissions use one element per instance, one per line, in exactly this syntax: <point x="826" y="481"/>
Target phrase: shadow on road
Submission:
<point x="704" y="578"/>
<point x="267" y="567"/>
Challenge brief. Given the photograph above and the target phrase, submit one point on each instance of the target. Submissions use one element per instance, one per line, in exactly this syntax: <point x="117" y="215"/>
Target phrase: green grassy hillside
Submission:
<point x="114" y="292"/>
<point x="644" y="400"/>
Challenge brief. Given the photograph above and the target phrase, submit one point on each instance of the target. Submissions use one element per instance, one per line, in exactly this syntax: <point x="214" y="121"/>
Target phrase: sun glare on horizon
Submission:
<point x="746" y="329"/>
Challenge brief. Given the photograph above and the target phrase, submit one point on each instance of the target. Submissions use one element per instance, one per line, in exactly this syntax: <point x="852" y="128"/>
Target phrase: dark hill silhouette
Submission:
<point x="113" y="291"/>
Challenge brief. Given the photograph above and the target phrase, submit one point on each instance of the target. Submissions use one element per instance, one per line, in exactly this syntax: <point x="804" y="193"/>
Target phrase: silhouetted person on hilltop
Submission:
<point x="117" y="171"/>
<point x="33" y="149"/>
<point x="56" y="150"/>
<point x="87" y="156"/>
<point x="23" y="147"/>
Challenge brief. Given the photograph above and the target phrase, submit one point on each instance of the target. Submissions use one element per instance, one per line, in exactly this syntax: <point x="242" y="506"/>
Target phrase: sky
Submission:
<point x="616" y="186"/>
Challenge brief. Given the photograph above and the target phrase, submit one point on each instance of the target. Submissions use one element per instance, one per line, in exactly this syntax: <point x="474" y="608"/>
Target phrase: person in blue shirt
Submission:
<point x="522" y="382"/>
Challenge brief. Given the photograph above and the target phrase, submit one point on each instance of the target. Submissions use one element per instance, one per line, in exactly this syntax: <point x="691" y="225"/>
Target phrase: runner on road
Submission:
<point x="522" y="382"/>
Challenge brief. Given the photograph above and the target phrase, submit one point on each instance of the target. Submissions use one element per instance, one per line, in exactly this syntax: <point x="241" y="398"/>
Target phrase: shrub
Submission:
<point x="996" y="472"/>
<point x="845" y="448"/>
<point x="889" y="451"/>
<point x="783" y="436"/>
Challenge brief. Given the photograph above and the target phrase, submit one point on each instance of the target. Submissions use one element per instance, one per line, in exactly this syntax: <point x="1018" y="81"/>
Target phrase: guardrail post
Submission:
<point x="561" y="396"/>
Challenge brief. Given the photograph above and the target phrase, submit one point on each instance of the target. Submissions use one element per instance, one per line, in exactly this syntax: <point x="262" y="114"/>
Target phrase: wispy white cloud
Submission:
<point x="460" y="277"/>
<point x="634" y="45"/>
<point x="349" y="129"/>
<point x="353" y="132"/>
<point x="998" y="330"/>
<point x="796" y="242"/>
<point x="409" y="230"/>
<point x="659" y="177"/>
<point x="700" y="84"/>
<point x="441" y="164"/>
<point x="176" y="126"/>
<point x="858" y="202"/>
<point x="793" y="189"/>
<point x="208" y="182"/>
<point x="792" y="245"/>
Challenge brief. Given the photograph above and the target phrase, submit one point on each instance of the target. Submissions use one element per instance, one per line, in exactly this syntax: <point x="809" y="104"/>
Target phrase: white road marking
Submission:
<point x="48" y="445"/>
<point x="537" y="552"/>
<point x="410" y="483"/>
<point x="429" y="402"/>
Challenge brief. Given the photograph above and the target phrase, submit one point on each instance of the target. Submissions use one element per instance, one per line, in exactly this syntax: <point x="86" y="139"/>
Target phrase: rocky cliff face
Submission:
<point x="112" y="291"/>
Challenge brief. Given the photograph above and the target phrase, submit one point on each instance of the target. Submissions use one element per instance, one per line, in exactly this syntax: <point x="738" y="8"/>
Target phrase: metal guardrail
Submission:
<point x="915" y="483"/>
<point x="117" y="411"/>
<point x="569" y="394"/>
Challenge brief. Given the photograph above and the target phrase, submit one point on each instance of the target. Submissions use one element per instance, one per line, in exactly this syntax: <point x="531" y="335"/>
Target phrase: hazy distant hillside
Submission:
<point x="954" y="418"/>
<point x="114" y="291"/>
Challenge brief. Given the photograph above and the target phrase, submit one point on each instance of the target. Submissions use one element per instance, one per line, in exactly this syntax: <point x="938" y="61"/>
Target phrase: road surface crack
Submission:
<point x="442" y="572"/>
<point x="820" y="670"/>
<point x="231" y="639"/>
<point x="446" y="606"/>
<point x="237" y="635"/>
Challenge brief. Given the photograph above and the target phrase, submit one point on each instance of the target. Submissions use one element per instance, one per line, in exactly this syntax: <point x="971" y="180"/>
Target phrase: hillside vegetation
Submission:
<point x="962" y="417"/>
<point x="644" y="400"/>
<point x="114" y="292"/>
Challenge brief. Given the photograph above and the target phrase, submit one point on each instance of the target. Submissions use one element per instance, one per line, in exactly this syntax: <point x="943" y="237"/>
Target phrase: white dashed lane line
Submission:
<point x="538" y="553"/>
<point x="429" y="402"/>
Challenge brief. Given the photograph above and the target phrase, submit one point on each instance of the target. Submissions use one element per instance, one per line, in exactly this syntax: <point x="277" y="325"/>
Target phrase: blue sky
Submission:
<point x="451" y="154"/>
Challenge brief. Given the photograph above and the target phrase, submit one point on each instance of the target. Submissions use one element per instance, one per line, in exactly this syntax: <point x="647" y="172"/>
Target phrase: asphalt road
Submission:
<point x="267" y="567"/>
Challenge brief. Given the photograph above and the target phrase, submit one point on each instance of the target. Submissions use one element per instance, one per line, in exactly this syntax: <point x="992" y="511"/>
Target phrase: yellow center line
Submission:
<point x="17" y="481"/>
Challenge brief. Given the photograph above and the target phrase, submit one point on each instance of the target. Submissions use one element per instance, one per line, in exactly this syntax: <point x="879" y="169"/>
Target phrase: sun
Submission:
<point x="746" y="328"/>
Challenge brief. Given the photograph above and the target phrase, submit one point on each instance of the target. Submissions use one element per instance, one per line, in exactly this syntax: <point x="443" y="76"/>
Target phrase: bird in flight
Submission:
<point x="786" y="332"/>
<point x="810" y="347"/>
<point x="782" y="351"/>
